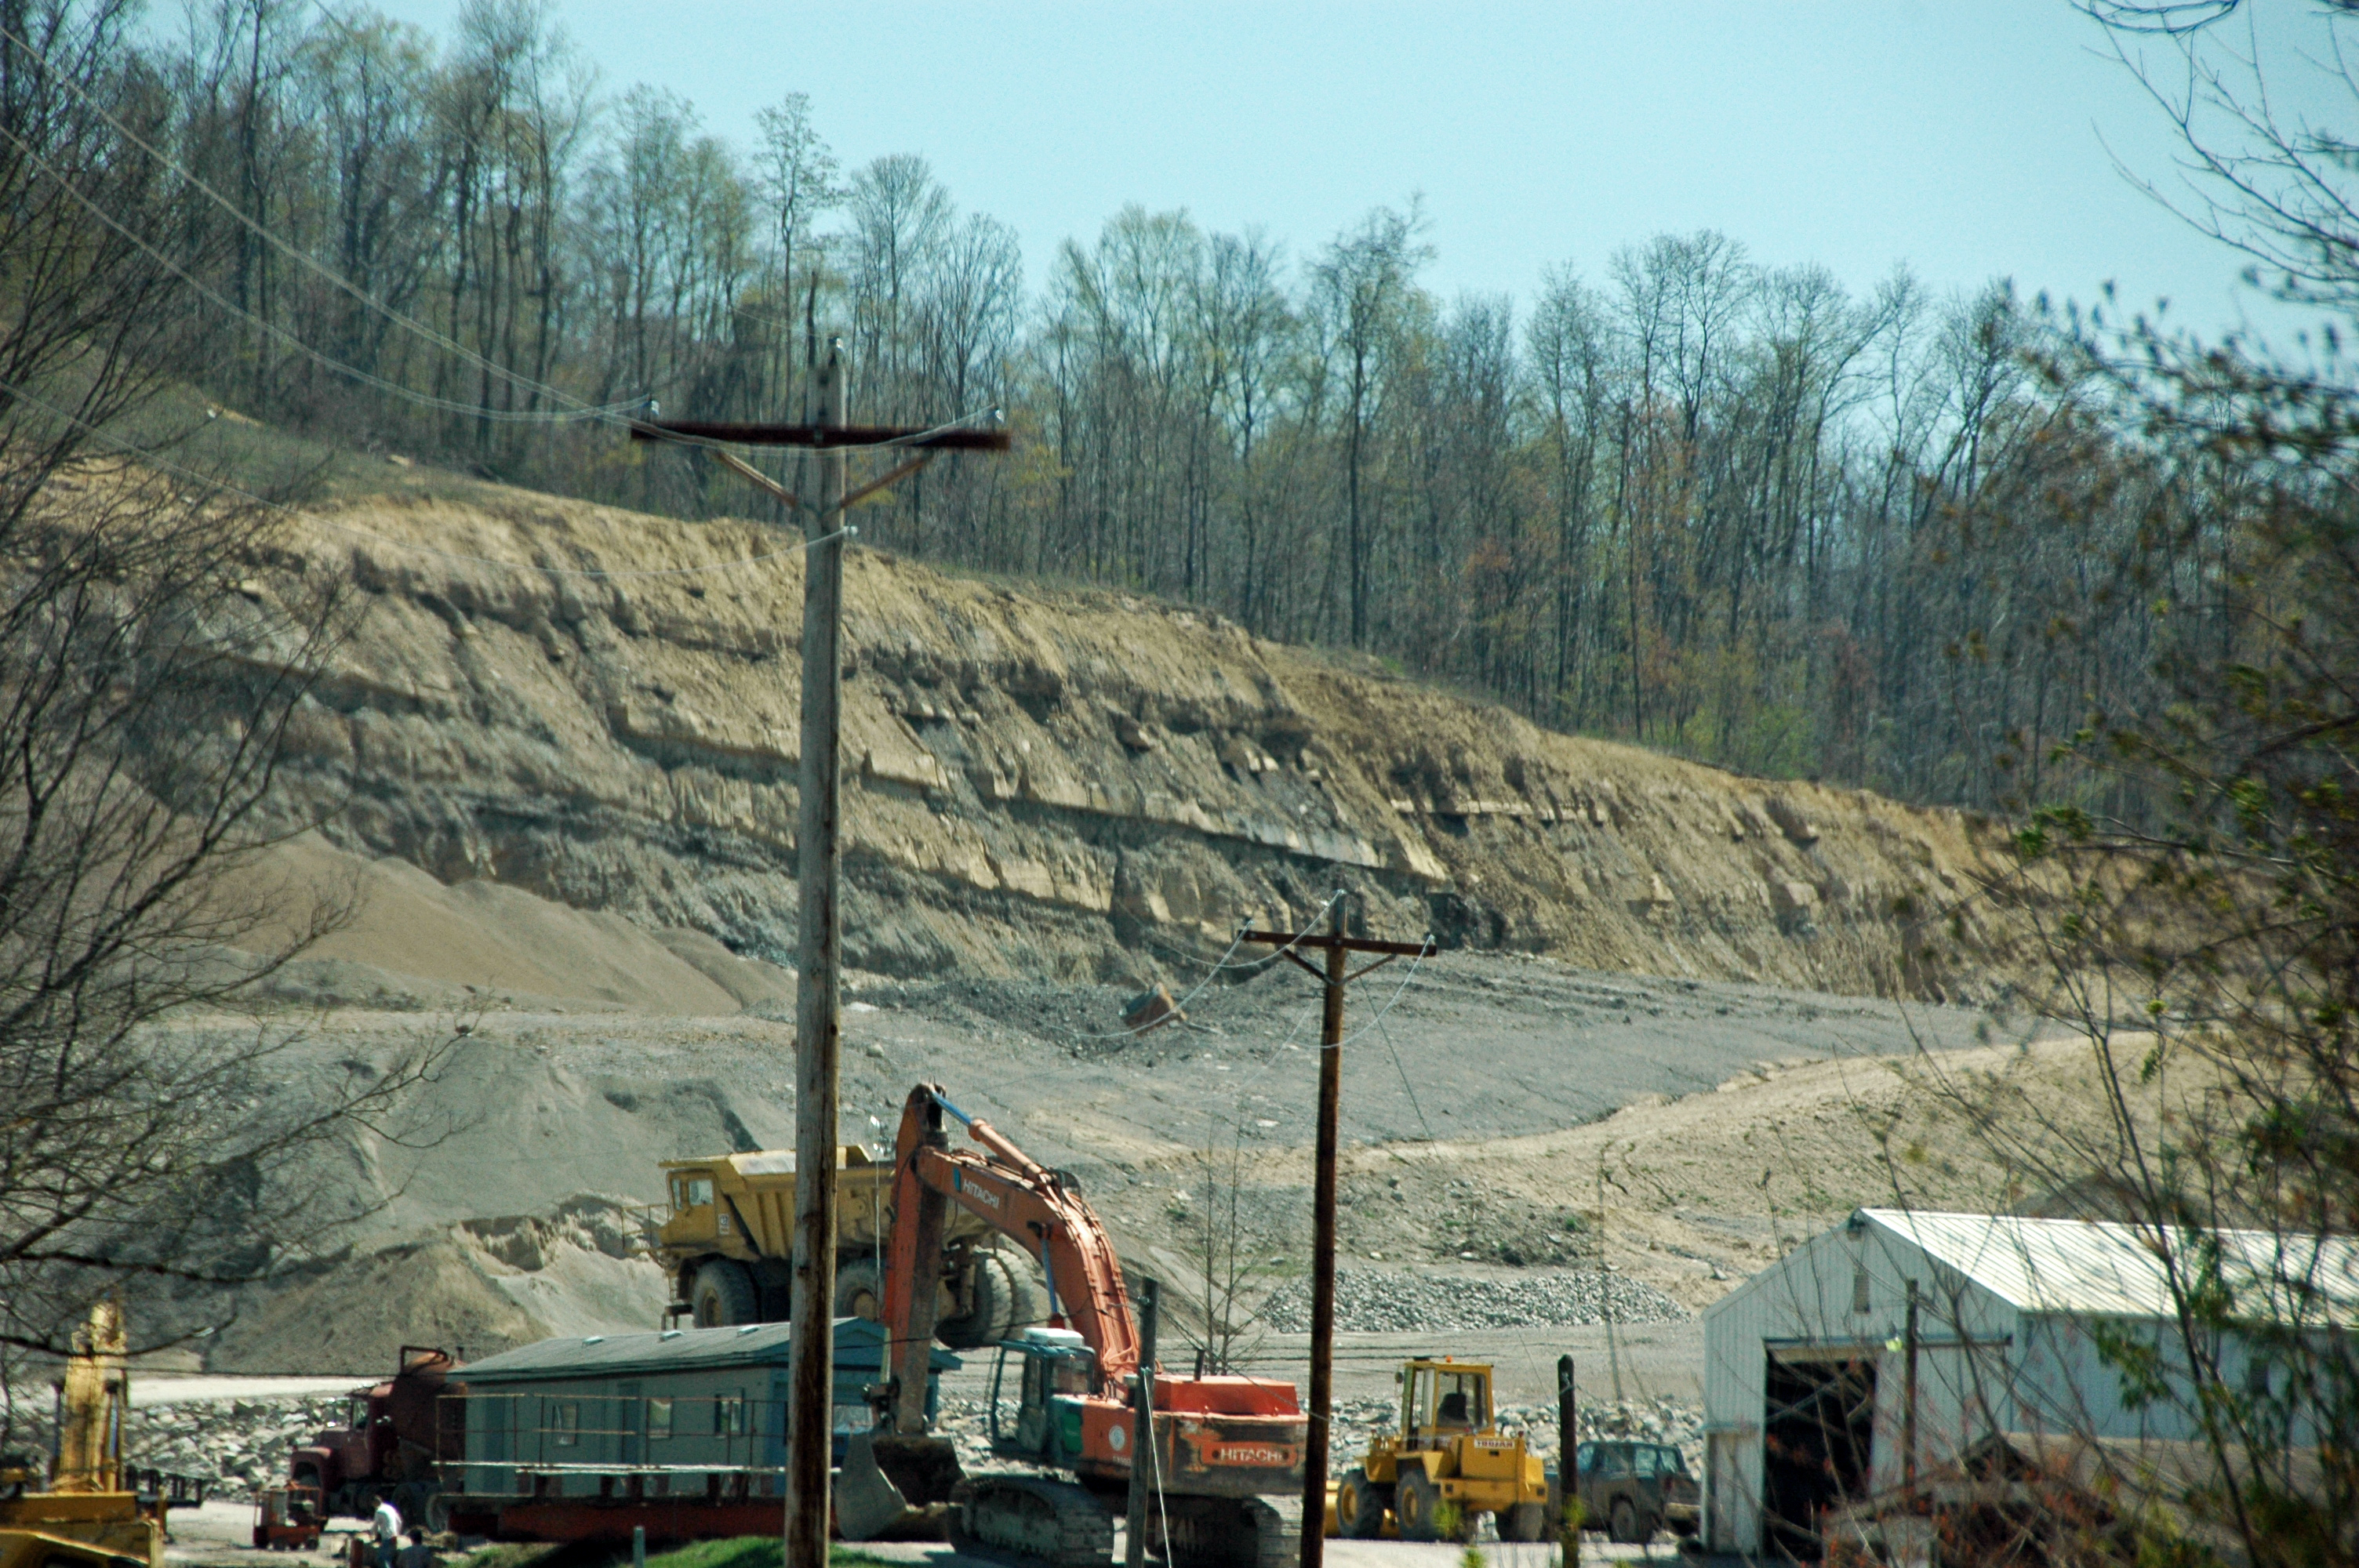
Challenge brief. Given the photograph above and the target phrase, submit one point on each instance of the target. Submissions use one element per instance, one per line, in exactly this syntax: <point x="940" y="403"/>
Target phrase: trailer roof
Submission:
<point x="858" y="1343"/>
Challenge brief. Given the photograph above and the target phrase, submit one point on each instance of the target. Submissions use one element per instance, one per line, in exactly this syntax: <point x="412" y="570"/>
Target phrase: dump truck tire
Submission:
<point x="859" y="1289"/>
<point x="723" y="1295"/>
<point x="1003" y="1302"/>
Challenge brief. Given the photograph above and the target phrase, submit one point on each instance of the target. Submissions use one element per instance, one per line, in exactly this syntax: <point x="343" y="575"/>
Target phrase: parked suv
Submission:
<point x="1632" y="1491"/>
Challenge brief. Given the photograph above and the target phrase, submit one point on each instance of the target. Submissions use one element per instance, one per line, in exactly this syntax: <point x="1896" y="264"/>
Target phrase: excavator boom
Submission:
<point x="1006" y="1189"/>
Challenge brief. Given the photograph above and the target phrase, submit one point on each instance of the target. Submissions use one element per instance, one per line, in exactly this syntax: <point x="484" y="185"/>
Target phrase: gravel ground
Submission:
<point x="1371" y="1302"/>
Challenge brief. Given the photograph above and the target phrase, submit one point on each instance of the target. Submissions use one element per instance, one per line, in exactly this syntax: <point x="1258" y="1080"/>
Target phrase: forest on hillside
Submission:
<point x="1704" y="501"/>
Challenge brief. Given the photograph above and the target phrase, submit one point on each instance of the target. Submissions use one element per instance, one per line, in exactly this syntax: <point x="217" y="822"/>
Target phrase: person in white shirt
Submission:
<point x="387" y="1526"/>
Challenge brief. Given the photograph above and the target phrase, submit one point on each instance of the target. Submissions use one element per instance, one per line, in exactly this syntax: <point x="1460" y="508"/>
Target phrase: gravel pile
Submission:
<point x="1367" y="1302"/>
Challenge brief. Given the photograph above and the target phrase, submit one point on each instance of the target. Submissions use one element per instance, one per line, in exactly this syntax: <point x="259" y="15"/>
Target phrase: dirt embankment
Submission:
<point x="564" y="806"/>
<point x="1059" y="784"/>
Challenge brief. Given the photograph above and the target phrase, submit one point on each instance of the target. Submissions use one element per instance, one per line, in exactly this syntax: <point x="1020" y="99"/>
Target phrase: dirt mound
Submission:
<point x="478" y="1288"/>
<point x="482" y="941"/>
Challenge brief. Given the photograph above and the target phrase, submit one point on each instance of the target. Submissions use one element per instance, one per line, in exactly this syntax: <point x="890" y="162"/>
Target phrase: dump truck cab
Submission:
<point x="1448" y="1464"/>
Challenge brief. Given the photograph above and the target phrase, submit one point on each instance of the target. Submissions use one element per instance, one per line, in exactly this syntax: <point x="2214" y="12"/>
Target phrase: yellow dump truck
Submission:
<point x="728" y="1245"/>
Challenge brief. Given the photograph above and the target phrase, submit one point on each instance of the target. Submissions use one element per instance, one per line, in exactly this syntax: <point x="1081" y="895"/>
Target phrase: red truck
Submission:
<point x="396" y="1435"/>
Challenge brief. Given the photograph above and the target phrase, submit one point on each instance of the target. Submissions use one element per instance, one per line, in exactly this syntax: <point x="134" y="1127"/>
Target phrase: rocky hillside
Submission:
<point x="1070" y="785"/>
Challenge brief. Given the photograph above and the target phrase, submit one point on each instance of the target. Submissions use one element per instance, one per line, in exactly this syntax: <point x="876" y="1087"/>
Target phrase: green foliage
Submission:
<point x="1713" y="505"/>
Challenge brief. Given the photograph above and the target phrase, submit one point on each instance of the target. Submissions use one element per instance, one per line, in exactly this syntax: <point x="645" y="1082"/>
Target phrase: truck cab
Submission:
<point x="394" y="1438"/>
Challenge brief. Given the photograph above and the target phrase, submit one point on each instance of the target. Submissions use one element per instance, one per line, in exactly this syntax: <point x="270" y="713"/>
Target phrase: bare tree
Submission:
<point x="148" y="679"/>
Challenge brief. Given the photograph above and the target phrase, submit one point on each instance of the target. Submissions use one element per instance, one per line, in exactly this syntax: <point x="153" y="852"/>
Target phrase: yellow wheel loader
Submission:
<point x="1448" y="1466"/>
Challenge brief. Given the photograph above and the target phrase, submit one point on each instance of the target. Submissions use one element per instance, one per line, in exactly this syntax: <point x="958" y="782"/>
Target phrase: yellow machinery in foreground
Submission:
<point x="1448" y="1464"/>
<point x="89" y="1518"/>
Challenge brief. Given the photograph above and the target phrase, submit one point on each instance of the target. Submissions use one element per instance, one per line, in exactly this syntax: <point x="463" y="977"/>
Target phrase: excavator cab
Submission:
<point x="1055" y="1370"/>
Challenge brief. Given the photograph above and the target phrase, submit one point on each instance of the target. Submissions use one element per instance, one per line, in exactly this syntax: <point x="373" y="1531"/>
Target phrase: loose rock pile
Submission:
<point x="964" y="1423"/>
<point x="1367" y="1302"/>
<point x="243" y="1442"/>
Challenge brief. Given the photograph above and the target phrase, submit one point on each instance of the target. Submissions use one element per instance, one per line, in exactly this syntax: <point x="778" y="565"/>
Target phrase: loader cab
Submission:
<point x="1441" y="1401"/>
<point x="1054" y="1370"/>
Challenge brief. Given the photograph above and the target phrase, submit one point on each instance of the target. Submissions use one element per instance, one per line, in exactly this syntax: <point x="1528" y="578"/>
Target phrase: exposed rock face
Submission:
<point x="1060" y="783"/>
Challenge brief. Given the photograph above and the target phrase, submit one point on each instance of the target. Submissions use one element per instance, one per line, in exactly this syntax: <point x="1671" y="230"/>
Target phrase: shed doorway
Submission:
<point x="1818" y="1433"/>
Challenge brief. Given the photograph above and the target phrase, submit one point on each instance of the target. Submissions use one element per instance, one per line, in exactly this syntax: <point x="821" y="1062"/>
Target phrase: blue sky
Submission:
<point x="1971" y="140"/>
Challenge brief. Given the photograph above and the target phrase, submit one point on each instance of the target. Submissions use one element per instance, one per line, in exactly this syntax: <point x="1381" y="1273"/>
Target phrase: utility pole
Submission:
<point x="1568" y="1473"/>
<point x="1909" y="1396"/>
<point x="1142" y="1444"/>
<point x="1323" y="1238"/>
<point x="818" y="1016"/>
<point x="818" y="1023"/>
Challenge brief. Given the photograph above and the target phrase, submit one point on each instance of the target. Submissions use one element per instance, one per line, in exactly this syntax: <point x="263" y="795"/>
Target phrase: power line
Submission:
<point x="1210" y="974"/>
<point x="297" y="254"/>
<point x="614" y="412"/>
<point x="325" y="360"/>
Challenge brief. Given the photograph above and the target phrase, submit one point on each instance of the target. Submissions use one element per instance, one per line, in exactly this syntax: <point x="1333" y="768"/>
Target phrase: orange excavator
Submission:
<point x="1221" y="1445"/>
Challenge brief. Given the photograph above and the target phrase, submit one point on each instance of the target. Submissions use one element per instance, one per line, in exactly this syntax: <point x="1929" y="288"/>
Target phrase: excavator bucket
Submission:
<point x="894" y="1487"/>
<point x="867" y="1504"/>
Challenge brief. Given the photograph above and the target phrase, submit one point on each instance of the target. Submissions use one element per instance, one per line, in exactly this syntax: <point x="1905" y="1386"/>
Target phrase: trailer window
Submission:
<point x="729" y="1416"/>
<point x="659" y="1418"/>
<point x="566" y="1424"/>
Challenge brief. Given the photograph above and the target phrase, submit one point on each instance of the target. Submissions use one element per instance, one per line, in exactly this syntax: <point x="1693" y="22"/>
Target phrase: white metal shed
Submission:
<point x="1808" y="1371"/>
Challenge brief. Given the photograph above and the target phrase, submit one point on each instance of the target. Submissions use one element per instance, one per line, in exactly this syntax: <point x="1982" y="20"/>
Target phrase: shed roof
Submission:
<point x="2108" y="1269"/>
<point x="858" y="1343"/>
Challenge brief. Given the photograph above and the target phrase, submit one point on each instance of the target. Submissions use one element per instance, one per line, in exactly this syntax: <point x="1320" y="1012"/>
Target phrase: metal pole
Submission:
<point x="1908" y="1406"/>
<point x="1322" y="1248"/>
<point x="1142" y="1444"/>
<point x="1568" y="1473"/>
<point x="817" y="1019"/>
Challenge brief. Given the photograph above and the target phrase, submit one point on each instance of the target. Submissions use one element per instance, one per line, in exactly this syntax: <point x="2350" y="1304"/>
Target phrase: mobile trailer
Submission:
<point x="681" y="1433"/>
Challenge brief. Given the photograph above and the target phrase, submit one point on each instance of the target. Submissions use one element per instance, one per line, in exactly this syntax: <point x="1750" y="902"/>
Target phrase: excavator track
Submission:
<point x="1228" y="1532"/>
<point x="1032" y="1520"/>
